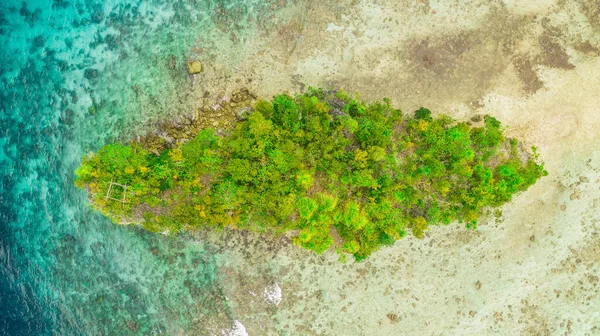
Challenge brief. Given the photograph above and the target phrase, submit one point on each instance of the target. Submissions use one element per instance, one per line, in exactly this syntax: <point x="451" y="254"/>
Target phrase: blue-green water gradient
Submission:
<point x="75" y="75"/>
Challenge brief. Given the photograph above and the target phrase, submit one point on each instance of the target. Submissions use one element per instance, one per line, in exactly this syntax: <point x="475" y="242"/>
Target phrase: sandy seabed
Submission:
<point x="534" y="65"/>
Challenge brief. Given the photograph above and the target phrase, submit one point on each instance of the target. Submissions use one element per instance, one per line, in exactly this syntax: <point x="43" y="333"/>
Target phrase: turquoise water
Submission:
<point x="76" y="75"/>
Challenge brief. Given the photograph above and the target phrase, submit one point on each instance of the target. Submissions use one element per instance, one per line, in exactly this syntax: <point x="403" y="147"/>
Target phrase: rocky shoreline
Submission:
<point x="222" y="117"/>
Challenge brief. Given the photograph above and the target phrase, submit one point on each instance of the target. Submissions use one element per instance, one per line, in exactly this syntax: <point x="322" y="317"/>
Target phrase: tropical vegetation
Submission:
<point x="324" y="166"/>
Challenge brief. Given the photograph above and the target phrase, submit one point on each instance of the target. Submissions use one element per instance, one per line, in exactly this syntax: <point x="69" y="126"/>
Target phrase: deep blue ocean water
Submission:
<point x="67" y="69"/>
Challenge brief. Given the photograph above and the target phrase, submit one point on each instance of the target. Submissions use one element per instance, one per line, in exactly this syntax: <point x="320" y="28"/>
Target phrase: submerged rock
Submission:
<point x="172" y="62"/>
<point x="91" y="73"/>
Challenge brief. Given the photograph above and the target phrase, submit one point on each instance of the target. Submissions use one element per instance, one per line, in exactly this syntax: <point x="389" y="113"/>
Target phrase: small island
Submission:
<point x="324" y="166"/>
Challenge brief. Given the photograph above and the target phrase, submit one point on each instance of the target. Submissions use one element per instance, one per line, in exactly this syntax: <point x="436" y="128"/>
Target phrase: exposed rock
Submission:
<point x="181" y="128"/>
<point x="336" y="113"/>
<point x="178" y="122"/>
<point x="194" y="67"/>
<point x="242" y="114"/>
<point x="336" y="102"/>
<point x="477" y="118"/>
<point x="273" y="294"/>
<point x="169" y="140"/>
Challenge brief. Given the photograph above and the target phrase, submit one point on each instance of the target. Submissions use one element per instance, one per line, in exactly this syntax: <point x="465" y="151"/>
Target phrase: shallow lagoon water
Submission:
<point x="74" y="76"/>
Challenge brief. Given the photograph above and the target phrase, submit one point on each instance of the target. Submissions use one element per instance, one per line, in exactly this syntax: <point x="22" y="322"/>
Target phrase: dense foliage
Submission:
<point x="332" y="169"/>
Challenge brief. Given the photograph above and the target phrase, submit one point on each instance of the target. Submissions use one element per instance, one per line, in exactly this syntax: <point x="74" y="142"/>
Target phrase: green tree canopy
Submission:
<point x="331" y="168"/>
